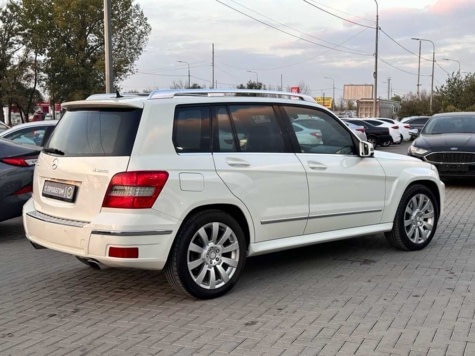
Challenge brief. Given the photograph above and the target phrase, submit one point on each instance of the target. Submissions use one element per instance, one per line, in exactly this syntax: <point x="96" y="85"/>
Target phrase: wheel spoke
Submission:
<point x="201" y="276"/>
<point x="195" y="248"/>
<point x="411" y="232"/>
<point x="212" y="278"/>
<point x="224" y="276"/>
<point x="193" y="264"/>
<point x="231" y="248"/>
<point x="230" y="262"/>
<point x="204" y="235"/>
<point x="226" y="235"/>
<point x="215" y="232"/>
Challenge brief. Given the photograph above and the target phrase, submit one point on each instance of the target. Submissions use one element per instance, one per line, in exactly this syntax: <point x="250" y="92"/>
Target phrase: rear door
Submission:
<point x="253" y="158"/>
<point x="87" y="148"/>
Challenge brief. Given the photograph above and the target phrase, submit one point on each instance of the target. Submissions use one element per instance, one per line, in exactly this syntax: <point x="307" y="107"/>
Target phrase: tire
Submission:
<point x="386" y="143"/>
<point x="372" y="140"/>
<point x="416" y="219"/>
<point x="207" y="256"/>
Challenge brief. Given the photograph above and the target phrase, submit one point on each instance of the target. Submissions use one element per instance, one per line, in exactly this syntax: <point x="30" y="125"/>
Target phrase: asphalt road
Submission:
<point x="354" y="297"/>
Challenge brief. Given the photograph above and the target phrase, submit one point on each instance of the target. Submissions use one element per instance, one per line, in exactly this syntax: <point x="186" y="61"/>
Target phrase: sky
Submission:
<point x="318" y="43"/>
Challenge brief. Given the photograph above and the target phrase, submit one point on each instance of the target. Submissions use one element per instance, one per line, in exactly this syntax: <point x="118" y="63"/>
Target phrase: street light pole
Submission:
<point x="454" y="60"/>
<point x="433" y="64"/>
<point x="333" y="99"/>
<point x="375" y="74"/>
<point x="188" y="64"/>
<point x="257" y="75"/>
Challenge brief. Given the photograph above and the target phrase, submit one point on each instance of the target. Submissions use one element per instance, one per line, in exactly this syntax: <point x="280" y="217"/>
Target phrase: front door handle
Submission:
<point x="236" y="162"/>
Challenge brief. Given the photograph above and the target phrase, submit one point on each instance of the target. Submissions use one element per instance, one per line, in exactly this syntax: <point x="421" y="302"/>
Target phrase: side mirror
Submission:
<point x="366" y="149"/>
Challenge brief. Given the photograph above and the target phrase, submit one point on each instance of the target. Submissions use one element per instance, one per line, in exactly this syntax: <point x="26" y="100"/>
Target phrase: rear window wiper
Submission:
<point x="53" y="150"/>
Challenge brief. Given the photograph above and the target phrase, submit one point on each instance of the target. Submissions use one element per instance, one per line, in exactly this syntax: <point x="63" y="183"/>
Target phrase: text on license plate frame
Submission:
<point x="60" y="191"/>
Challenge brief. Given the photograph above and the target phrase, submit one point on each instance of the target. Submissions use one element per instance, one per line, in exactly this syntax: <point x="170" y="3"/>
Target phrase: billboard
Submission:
<point x="357" y="91"/>
<point x="326" y="101"/>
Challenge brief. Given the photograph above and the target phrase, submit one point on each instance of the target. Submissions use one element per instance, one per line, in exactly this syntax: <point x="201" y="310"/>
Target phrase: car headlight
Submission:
<point x="417" y="151"/>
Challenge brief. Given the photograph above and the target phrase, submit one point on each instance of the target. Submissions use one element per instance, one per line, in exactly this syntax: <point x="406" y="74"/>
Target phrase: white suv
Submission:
<point x="193" y="182"/>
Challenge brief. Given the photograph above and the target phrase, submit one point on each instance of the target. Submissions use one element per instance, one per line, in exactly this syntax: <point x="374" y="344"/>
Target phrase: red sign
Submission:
<point x="295" y="89"/>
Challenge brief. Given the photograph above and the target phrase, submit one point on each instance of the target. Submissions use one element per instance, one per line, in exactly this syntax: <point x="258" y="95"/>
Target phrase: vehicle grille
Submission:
<point x="451" y="157"/>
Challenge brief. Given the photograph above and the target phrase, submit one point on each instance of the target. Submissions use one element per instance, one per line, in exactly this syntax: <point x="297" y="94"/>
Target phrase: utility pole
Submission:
<point x="419" y="72"/>
<point x="375" y="74"/>
<point x="212" y="66"/>
<point x="389" y="88"/>
<point x="108" y="47"/>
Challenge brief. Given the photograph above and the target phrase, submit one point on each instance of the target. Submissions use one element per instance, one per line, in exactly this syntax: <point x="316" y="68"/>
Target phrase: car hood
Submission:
<point x="382" y="155"/>
<point x="447" y="142"/>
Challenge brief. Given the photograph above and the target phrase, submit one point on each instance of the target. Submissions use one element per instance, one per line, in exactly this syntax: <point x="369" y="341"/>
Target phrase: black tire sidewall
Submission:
<point x="183" y="239"/>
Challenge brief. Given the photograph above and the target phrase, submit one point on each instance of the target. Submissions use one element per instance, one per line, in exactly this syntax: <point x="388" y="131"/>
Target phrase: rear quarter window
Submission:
<point x="101" y="132"/>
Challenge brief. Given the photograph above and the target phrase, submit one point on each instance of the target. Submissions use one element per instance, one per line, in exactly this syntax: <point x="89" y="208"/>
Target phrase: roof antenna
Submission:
<point x="117" y="94"/>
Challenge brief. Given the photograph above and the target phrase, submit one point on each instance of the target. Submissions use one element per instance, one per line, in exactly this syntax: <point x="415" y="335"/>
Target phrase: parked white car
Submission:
<point x="118" y="186"/>
<point x="403" y="128"/>
<point x="393" y="129"/>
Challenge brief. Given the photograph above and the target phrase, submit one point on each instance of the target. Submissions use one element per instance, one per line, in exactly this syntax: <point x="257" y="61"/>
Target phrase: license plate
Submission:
<point x="60" y="191"/>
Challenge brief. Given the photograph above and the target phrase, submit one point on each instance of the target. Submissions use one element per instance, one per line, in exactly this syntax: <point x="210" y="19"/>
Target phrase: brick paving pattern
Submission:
<point x="355" y="297"/>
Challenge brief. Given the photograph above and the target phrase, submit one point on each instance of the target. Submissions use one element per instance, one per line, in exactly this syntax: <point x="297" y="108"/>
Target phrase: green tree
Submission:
<point x="10" y="44"/>
<point x="411" y="105"/>
<point x="69" y="34"/>
<point x="252" y="85"/>
<point x="457" y="94"/>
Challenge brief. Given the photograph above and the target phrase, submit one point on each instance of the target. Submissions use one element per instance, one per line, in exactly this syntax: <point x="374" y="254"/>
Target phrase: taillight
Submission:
<point x="316" y="135"/>
<point x="24" y="190"/>
<point x="134" y="190"/>
<point x="20" y="161"/>
<point x="360" y="129"/>
<point x="395" y="127"/>
<point x="407" y="126"/>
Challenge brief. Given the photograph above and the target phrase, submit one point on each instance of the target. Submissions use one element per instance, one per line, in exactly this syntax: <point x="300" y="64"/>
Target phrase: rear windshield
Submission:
<point x="102" y="132"/>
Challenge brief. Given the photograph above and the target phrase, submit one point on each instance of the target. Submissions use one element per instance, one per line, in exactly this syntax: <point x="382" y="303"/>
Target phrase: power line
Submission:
<point x="291" y="34"/>
<point x="291" y="28"/>
<point x="337" y="16"/>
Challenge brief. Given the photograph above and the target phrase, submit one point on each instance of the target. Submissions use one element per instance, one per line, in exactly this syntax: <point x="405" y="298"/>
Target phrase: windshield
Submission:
<point x="450" y="124"/>
<point x="101" y="132"/>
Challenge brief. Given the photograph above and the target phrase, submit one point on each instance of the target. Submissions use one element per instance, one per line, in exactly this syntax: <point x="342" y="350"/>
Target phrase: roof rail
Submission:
<point x="168" y="94"/>
<point x="115" y="95"/>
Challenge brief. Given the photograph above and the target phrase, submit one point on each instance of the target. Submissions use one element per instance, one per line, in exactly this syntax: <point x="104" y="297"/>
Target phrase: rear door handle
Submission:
<point x="317" y="166"/>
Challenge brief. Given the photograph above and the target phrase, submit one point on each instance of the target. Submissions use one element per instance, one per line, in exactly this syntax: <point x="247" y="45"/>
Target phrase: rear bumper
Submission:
<point x="92" y="240"/>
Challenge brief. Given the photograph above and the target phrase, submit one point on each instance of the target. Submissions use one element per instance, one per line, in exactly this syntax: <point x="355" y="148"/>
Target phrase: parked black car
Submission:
<point x="17" y="162"/>
<point x="378" y="136"/>
<point x="448" y="142"/>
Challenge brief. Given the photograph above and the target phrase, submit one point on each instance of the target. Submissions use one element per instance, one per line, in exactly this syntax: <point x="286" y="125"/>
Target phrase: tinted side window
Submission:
<point x="101" y="132"/>
<point x="191" y="131"/>
<point x="318" y="132"/>
<point x="257" y="128"/>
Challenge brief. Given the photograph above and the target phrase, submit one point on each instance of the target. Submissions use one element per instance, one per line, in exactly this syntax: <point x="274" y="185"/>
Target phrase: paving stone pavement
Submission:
<point x="355" y="297"/>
